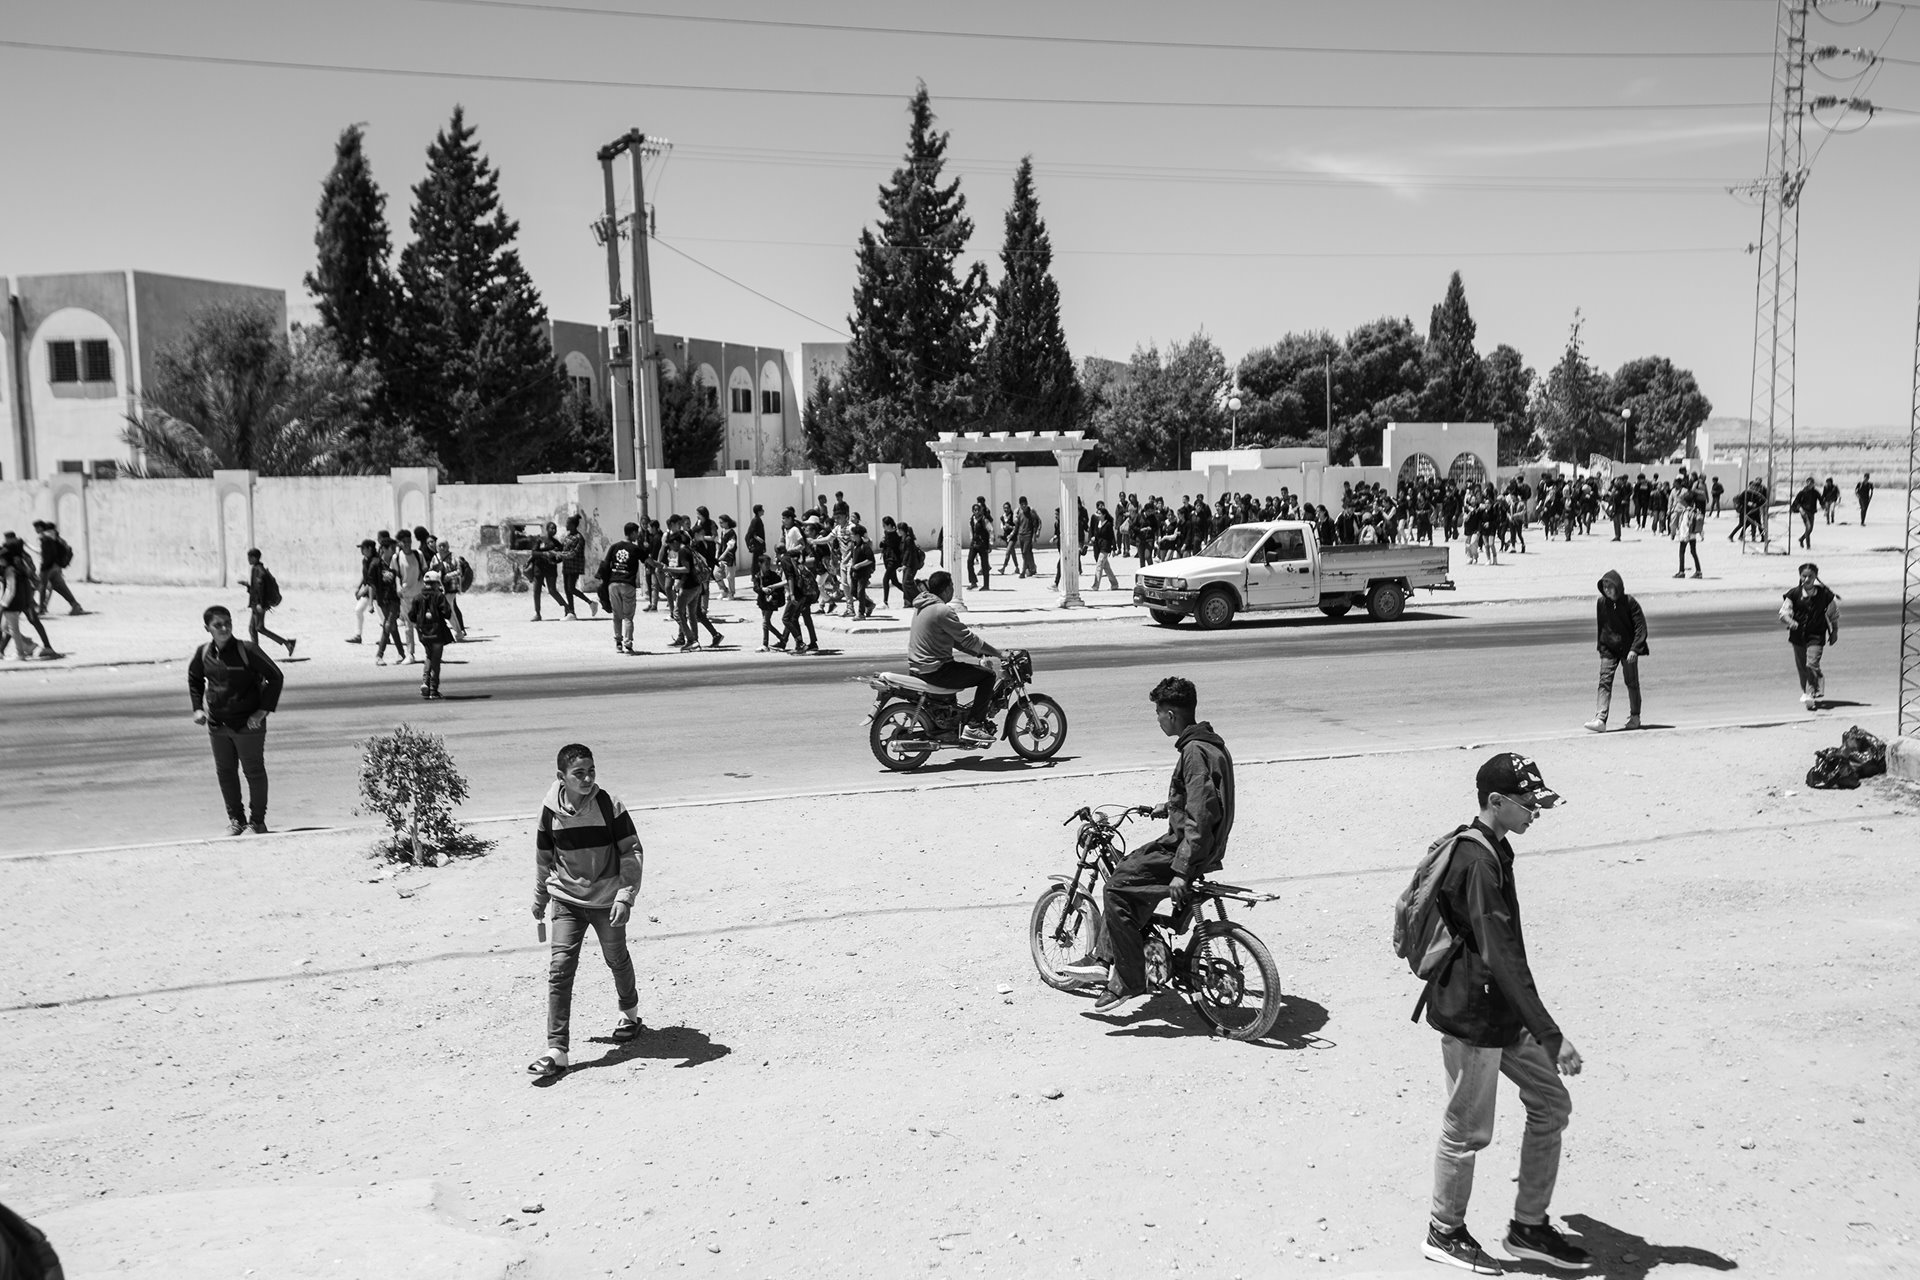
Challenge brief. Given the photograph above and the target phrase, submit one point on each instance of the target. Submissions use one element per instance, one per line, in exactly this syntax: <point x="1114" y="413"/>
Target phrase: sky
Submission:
<point x="1331" y="163"/>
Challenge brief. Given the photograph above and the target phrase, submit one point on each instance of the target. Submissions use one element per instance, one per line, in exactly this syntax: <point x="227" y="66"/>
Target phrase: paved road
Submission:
<point x="122" y="764"/>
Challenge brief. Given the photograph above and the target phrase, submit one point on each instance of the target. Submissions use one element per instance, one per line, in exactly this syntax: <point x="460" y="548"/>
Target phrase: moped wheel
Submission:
<point x="1061" y="933"/>
<point x="1037" y="728"/>
<point x="894" y="726"/>
<point x="1233" y="981"/>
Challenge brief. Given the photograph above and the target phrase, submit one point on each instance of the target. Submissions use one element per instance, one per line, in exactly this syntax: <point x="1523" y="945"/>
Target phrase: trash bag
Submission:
<point x="1832" y="770"/>
<point x="1867" y="752"/>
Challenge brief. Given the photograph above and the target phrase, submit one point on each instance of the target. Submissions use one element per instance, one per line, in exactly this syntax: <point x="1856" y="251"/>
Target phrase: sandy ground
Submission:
<point x="269" y="1058"/>
<point x="140" y="627"/>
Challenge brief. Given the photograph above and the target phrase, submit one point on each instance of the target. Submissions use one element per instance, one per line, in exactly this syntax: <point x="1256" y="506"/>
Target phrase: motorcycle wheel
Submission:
<point x="1037" y="728"/>
<point x="901" y="720"/>
<point x="1233" y="981"/>
<point x="1061" y="932"/>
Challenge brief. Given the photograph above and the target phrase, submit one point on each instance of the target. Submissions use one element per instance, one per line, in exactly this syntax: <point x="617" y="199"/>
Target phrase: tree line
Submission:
<point x="936" y="347"/>
<point x="439" y="358"/>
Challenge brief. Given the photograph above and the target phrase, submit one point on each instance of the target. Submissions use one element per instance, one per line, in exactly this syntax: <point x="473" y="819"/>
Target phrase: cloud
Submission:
<point x="1393" y="176"/>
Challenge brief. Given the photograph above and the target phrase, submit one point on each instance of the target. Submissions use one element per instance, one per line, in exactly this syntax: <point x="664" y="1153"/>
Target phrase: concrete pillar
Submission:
<point x="886" y="477"/>
<point x="66" y="506"/>
<point x="412" y="489"/>
<point x="233" y="517"/>
<point x="741" y="509"/>
<point x="1002" y="484"/>
<point x="660" y="484"/>
<point x="953" y="458"/>
<point x="1068" y="456"/>
<point x="809" y="481"/>
<point x="1217" y="481"/>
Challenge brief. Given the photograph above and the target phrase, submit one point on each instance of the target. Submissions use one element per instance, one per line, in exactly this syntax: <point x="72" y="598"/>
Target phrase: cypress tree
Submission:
<point x="916" y="325"/>
<point x="351" y="282"/>
<point x="1029" y="382"/>
<point x="1456" y="389"/>
<point x="471" y="366"/>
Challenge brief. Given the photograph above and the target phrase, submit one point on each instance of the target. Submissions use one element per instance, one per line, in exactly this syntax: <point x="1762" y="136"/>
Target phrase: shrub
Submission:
<point x="408" y="778"/>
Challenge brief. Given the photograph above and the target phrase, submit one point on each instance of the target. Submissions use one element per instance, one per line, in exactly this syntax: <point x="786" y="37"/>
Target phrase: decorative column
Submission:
<point x="233" y="517"/>
<point x="66" y="506"/>
<point x="660" y="483"/>
<point x="952" y="453"/>
<point x="1066" y="451"/>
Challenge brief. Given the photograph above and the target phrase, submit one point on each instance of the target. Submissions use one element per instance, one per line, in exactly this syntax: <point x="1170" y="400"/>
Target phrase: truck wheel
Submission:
<point x="1336" y="608"/>
<point x="1165" y="617"/>
<point x="1386" y="602"/>
<point x="1215" y="610"/>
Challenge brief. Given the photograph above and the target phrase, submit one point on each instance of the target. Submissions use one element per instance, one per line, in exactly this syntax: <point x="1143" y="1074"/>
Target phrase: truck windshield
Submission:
<point x="1236" y="543"/>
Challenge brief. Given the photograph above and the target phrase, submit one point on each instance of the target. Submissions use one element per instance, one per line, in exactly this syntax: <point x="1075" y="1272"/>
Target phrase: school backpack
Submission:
<point x="269" y="589"/>
<point x="62" y="553"/>
<point x="806" y="588"/>
<point x="465" y="575"/>
<point x="1421" y="935"/>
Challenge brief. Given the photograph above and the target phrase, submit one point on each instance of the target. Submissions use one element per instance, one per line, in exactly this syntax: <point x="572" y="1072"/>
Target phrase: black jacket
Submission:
<point x="1200" y="802"/>
<point x="1813" y="615"/>
<point x="1485" y="995"/>
<point x="231" y="684"/>
<point x="1622" y="626"/>
<point x="621" y="563"/>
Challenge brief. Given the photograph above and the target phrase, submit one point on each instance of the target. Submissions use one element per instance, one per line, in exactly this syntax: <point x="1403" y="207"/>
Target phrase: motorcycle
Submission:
<point x="911" y="719"/>
<point x="1223" y="970"/>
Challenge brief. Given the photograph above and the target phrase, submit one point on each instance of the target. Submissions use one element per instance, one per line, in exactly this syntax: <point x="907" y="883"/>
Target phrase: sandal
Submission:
<point x="545" y="1066"/>
<point x="626" y="1030"/>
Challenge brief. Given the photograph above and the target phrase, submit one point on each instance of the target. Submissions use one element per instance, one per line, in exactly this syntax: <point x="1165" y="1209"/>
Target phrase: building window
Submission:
<point x="72" y="467"/>
<point x="743" y="399"/>
<point x="98" y="360"/>
<point x="71" y="362"/>
<point x="63" y="360"/>
<point x="108" y="470"/>
<point x="770" y="402"/>
<point x="582" y="387"/>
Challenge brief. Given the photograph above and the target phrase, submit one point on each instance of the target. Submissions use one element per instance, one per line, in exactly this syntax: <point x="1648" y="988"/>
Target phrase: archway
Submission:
<point x="1468" y="472"/>
<point x="1418" y="469"/>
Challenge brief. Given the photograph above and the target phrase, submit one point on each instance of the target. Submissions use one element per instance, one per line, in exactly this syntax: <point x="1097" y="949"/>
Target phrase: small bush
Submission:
<point x="408" y="778"/>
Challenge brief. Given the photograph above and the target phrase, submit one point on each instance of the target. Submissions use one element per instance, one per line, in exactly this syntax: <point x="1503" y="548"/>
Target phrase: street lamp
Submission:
<point x="1233" y="408"/>
<point x="1626" y="416"/>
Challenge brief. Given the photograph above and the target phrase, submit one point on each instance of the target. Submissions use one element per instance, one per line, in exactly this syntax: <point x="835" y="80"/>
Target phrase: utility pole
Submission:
<point x="1329" y="401"/>
<point x="643" y="443"/>
<point x="619" y="349"/>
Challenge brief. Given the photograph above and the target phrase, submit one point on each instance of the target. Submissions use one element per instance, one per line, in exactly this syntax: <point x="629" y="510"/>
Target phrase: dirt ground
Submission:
<point x="267" y="1057"/>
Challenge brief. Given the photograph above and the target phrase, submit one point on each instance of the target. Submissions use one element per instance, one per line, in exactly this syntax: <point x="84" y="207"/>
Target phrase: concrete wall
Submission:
<point x="160" y="532"/>
<point x="308" y="529"/>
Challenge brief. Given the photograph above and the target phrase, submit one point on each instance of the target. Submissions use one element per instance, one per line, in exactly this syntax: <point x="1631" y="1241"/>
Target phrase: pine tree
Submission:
<point x="916" y="325"/>
<point x="1029" y="382"/>
<point x="471" y="366"/>
<point x="1572" y="412"/>
<point x="1456" y="389"/>
<point x="351" y="282"/>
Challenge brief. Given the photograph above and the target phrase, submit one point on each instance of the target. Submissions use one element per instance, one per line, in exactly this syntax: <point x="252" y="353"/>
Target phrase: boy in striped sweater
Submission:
<point x="587" y="874"/>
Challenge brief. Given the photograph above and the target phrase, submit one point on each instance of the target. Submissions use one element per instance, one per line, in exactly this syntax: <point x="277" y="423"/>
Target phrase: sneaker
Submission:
<point x="1458" y="1248"/>
<point x="77" y="612"/>
<point x="1698" y="574"/>
<point x="1633" y="722"/>
<point x="258" y="826"/>
<point x="236" y="827"/>
<point x="1681" y="574"/>
<point x="48" y="655"/>
<point x="353" y="640"/>
<point x="814" y="647"/>
<point x="1541" y="1243"/>
<point x="435" y="695"/>
<point x="1595" y="725"/>
<point x="715" y="642"/>
<point x="1806" y="700"/>
<point x="379" y="662"/>
<point x="974" y="735"/>
<point x="425" y="692"/>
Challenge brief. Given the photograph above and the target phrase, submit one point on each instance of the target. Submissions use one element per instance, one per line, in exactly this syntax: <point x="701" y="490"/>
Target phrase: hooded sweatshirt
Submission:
<point x="589" y="856"/>
<point x="937" y="632"/>
<point x="1623" y="628"/>
<point x="1200" y="802"/>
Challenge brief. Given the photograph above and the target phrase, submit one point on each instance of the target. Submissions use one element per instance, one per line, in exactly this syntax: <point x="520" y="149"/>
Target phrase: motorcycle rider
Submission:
<point x="1199" y="813"/>
<point x="937" y="632"/>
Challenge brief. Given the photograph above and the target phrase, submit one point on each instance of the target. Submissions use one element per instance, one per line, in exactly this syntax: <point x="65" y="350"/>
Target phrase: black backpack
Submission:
<point x="62" y="553"/>
<point x="269" y="589"/>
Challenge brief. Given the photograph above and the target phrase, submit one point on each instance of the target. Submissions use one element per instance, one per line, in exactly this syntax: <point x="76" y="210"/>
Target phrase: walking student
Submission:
<point x="429" y="617"/>
<point x="1689" y="522"/>
<point x="409" y="568"/>
<point x="573" y="565"/>
<point x="1492" y="1022"/>
<point x="1812" y="614"/>
<point x="770" y="594"/>
<point x="55" y="555"/>
<point x="587" y="867"/>
<point x="16" y="601"/>
<point x="620" y="571"/>
<point x="263" y="593"/>
<point x="234" y="687"/>
<point x="1863" y="494"/>
<point x="1622" y="628"/>
<point x="802" y="589"/>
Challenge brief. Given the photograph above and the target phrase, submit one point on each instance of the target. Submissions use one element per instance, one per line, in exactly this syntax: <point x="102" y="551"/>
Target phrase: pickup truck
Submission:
<point x="1281" y="565"/>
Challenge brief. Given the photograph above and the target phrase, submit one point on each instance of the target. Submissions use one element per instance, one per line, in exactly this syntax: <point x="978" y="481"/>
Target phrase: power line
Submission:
<point x="885" y="95"/>
<point x="1121" y="42"/>
<point x="1278" y="254"/>
<point x="749" y="288"/>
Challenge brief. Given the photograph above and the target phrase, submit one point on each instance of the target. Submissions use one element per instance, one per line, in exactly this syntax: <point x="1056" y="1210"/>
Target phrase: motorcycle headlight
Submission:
<point x="1178" y="584"/>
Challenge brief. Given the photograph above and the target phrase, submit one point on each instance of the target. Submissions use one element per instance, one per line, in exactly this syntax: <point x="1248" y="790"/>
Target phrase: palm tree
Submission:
<point x="236" y="395"/>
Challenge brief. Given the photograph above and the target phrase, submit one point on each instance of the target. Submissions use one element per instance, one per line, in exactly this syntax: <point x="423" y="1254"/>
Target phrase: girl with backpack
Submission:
<point x="802" y="590"/>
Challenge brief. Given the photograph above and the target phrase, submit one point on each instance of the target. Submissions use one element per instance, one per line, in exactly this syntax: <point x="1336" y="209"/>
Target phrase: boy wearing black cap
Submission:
<point x="1493" y="1023"/>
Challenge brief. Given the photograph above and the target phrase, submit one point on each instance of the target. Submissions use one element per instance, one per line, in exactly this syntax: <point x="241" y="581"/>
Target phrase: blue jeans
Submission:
<point x="1806" y="663"/>
<point x="1603" y="699"/>
<point x="570" y="924"/>
<point x="1467" y="1125"/>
